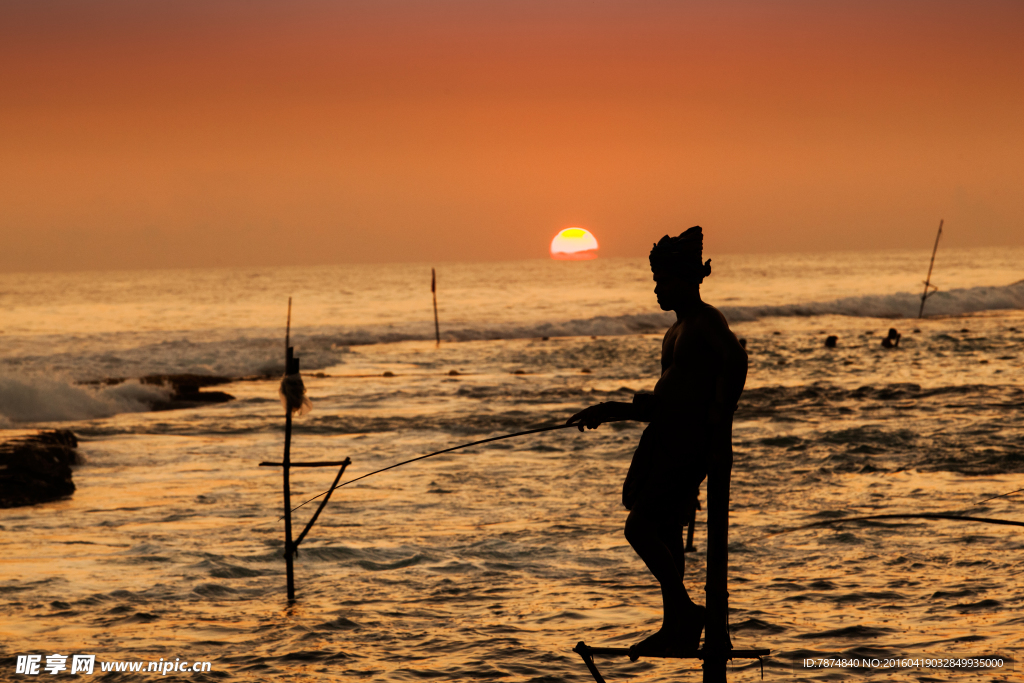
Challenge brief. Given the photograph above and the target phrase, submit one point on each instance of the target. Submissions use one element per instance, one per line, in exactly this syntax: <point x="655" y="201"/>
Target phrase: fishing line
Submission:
<point x="430" y="455"/>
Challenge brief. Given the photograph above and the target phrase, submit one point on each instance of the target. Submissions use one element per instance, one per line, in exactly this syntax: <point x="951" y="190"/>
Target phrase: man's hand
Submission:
<point x="591" y="417"/>
<point x="612" y="411"/>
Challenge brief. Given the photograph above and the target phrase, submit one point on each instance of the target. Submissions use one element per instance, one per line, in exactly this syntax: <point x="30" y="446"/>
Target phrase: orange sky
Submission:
<point x="170" y="134"/>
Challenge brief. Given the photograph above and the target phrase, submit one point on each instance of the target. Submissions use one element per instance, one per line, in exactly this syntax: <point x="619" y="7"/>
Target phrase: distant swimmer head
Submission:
<point x="892" y="340"/>
<point x="681" y="256"/>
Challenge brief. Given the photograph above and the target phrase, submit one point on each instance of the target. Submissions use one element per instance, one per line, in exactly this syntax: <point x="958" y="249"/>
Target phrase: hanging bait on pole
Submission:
<point x="293" y="393"/>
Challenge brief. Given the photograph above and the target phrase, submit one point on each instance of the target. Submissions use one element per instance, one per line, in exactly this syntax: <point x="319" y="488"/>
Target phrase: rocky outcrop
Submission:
<point x="37" y="468"/>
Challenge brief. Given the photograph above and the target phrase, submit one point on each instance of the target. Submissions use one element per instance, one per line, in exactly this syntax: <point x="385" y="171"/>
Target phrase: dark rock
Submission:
<point x="177" y="381"/>
<point x="191" y="399"/>
<point x="37" y="468"/>
<point x="186" y="389"/>
<point x="185" y="381"/>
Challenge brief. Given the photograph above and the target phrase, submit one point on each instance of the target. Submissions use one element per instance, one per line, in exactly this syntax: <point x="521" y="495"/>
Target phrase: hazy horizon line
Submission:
<point x="428" y="264"/>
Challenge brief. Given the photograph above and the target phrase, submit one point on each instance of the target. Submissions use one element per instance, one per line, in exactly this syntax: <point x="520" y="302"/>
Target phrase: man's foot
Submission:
<point x="681" y="639"/>
<point x="663" y="643"/>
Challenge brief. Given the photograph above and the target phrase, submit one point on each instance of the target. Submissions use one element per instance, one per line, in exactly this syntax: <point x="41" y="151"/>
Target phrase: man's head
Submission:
<point x="676" y="264"/>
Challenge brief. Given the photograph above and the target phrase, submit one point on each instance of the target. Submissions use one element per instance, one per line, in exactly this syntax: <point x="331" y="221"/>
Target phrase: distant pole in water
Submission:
<point x="928" y="280"/>
<point x="433" y="290"/>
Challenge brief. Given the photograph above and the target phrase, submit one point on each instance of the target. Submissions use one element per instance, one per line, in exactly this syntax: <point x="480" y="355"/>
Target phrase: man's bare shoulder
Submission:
<point x="714" y="328"/>
<point x="712" y="317"/>
<point x="672" y="331"/>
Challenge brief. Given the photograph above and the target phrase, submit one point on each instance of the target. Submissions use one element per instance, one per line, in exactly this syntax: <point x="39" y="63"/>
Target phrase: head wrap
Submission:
<point x="681" y="255"/>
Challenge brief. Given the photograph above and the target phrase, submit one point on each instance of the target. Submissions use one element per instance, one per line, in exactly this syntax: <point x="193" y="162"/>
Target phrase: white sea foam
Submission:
<point x="50" y="399"/>
<point x="902" y="305"/>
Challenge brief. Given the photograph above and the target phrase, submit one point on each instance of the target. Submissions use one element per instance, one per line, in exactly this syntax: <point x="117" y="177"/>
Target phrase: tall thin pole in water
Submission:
<point x="928" y="280"/>
<point x="291" y="366"/>
<point x="433" y="290"/>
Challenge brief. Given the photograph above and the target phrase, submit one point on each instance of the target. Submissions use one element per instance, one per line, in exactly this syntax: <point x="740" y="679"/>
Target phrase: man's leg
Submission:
<point x="659" y="543"/>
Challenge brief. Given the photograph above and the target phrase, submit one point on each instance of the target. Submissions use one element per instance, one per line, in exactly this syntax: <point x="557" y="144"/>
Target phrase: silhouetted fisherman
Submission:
<point x="703" y="369"/>
<point x="893" y="340"/>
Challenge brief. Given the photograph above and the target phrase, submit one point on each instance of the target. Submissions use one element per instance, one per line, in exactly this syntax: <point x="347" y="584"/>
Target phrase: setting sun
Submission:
<point x="574" y="244"/>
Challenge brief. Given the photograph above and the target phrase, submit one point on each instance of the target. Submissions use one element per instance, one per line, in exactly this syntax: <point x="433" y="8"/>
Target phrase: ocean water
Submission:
<point x="493" y="562"/>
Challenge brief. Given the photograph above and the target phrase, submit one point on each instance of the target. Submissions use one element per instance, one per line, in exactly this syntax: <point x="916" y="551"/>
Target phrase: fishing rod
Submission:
<point x="446" y="450"/>
<point x="1001" y="495"/>
<point x="922" y="515"/>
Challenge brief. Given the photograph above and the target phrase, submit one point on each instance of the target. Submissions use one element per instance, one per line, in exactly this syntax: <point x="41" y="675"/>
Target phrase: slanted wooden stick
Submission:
<point x="309" y="525"/>
<point x="433" y="291"/>
<point x="928" y="280"/>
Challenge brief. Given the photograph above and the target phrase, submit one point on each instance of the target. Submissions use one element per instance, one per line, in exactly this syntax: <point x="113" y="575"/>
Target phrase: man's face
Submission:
<point x="669" y="289"/>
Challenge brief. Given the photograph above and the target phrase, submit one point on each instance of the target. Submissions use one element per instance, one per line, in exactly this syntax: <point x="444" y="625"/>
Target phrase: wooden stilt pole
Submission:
<point x="717" y="645"/>
<point x="717" y="648"/>
<point x="433" y="291"/>
<point x="293" y="393"/>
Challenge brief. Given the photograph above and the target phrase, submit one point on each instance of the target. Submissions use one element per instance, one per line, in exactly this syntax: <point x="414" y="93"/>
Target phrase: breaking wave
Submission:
<point x="258" y="352"/>
<point x="902" y="305"/>
<point x="48" y="399"/>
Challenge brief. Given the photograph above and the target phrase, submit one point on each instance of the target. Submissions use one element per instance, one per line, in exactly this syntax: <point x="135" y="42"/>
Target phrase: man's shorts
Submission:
<point x="668" y="467"/>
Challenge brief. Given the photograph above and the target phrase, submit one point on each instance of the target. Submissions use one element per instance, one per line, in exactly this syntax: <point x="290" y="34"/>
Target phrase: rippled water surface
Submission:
<point x="493" y="562"/>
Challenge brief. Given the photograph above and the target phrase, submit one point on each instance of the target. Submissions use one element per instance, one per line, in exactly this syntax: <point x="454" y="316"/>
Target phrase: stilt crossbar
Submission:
<point x="587" y="654"/>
